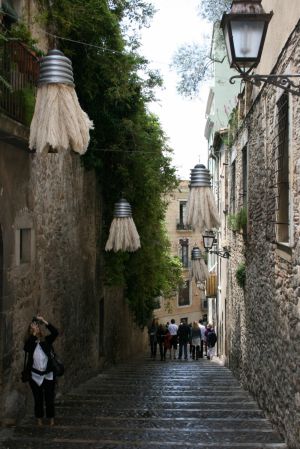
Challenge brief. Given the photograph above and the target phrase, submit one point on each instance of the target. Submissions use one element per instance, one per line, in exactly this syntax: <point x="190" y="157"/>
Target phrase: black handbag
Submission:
<point x="25" y="374"/>
<point x="57" y="365"/>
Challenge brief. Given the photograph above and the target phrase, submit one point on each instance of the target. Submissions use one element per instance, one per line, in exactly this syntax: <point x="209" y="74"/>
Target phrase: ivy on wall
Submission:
<point x="128" y="148"/>
<point x="238" y="221"/>
<point x="240" y="275"/>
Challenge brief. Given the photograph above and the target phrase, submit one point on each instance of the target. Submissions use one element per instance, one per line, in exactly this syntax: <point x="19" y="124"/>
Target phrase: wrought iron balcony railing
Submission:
<point x="19" y="71"/>
<point x="181" y="226"/>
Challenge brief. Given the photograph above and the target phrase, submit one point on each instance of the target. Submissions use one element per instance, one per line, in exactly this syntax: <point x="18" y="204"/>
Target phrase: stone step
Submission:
<point x="145" y="434"/>
<point x="82" y="443"/>
<point x="166" y="423"/>
<point x="171" y="397"/>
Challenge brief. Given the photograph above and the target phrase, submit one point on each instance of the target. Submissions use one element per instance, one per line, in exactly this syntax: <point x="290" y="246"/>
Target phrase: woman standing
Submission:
<point x="42" y="381"/>
<point x="196" y="340"/>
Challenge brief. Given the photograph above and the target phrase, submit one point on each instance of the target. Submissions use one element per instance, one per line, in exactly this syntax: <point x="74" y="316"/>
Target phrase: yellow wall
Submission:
<point x="170" y="307"/>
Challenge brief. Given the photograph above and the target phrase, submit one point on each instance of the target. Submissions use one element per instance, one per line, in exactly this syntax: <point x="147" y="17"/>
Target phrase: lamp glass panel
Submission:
<point x="247" y="38"/>
<point x="208" y="241"/>
<point x="227" y="43"/>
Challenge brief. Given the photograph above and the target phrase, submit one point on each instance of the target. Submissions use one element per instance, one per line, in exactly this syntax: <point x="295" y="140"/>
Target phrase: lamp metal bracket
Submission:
<point x="285" y="82"/>
<point x="225" y="254"/>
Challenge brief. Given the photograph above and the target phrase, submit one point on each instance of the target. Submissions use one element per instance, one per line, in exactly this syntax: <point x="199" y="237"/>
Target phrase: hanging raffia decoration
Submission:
<point x="202" y="212"/>
<point x="123" y="235"/>
<point x="58" y="123"/>
<point x="199" y="268"/>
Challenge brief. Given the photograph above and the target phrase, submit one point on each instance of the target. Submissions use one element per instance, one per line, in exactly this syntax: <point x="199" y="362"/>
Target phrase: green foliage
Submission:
<point x="242" y="218"/>
<point x="238" y="221"/>
<point x="193" y="65"/>
<point x="232" y="222"/>
<point x="240" y="275"/>
<point x="27" y="96"/>
<point x="212" y="10"/>
<point x="193" y="62"/>
<point x="21" y="32"/>
<point x="128" y="148"/>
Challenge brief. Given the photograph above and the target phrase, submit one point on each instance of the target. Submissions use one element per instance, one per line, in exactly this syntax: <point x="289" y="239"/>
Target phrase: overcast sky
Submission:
<point x="176" y="23"/>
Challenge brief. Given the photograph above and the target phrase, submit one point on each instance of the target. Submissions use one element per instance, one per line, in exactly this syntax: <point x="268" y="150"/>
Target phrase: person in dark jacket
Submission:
<point x="183" y="337"/>
<point x="161" y="334"/>
<point x="211" y="339"/>
<point x="152" y="332"/>
<point x="42" y="380"/>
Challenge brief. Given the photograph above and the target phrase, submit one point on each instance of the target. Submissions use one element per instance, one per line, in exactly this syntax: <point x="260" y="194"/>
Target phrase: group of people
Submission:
<point x="167" y="337"/>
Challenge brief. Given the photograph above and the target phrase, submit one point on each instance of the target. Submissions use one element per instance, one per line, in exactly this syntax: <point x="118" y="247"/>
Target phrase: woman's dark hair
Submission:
<point x="29" y="331"/>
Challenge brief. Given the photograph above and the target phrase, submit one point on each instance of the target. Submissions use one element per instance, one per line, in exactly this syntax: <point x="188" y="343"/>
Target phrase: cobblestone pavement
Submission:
<point x="150" y="404"/>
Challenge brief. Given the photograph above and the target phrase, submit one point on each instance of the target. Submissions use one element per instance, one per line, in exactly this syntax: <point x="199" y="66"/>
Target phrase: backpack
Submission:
<point x="211" y="338"/>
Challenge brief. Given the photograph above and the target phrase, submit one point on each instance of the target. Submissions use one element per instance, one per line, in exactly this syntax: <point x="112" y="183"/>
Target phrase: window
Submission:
<point x="282" y="171"/>
<point x="24" y="238"/>
<point x="184" y="252"/>
<point x="232" y="193"/>
<point x="245" y="176"/>
<point x="182" y="212"/>
<point x="25" y="245"/>
<point x="181" y="221"/>
<point x="184" y="294"/>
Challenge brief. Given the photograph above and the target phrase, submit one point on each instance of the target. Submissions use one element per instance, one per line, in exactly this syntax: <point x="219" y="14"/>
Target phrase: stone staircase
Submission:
<point x="148" y="404"/>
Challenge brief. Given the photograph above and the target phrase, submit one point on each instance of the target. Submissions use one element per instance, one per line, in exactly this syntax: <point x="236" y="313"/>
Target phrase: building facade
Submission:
<point x="263" y="282"/>
<point x="220" y="103"/>
<point x="189" y="302"/>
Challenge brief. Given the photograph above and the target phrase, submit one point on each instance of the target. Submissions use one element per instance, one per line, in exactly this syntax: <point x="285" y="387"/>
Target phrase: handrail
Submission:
<point x="19" y="70"/>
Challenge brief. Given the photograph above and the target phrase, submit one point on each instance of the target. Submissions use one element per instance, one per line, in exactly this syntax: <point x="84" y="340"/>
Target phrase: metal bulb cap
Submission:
<point x="56" y="68"/>
<point x="200" y="176"/>
<point x="122" y="209"/>
<point x="196" y="253"/>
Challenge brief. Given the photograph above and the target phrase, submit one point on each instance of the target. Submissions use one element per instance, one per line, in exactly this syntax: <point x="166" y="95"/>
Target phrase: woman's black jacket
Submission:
<point x="46" y="346"/>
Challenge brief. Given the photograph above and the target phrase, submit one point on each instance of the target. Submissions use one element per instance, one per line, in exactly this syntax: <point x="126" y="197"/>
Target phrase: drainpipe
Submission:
<point x="212" y="155"/>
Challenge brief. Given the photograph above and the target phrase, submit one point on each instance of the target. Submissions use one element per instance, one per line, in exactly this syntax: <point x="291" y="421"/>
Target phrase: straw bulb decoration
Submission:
<point x="123" y="235"/>
<point x="58" y="123"/>
<point x="202" y="211"/>
<point x="199" y="268"/>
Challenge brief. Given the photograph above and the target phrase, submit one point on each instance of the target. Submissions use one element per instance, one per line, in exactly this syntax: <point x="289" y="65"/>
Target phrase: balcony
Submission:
<point x="19" y="70"/>
<point x="181" y="226"/>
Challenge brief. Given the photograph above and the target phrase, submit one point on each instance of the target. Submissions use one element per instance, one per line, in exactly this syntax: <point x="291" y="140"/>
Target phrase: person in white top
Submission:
<point x="41" y="378"/>
<point x="173" y="329"/>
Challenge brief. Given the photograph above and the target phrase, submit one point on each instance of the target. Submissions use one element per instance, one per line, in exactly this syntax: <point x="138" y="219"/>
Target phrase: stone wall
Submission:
<point x="58" y="203"/>
<point x="264" y="319"/>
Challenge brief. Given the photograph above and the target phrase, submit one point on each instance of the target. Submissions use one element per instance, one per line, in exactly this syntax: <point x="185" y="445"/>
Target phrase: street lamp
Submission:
<point x="208" y="241"/>
<point x="245" y="29"/>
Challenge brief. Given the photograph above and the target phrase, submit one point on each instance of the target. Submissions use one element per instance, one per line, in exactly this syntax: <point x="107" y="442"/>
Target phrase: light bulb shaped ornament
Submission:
<point x="123" y="235"/>
<point x="199" y="268"/>
<point x="202" y="211"/>
<point x="58" y="122"/>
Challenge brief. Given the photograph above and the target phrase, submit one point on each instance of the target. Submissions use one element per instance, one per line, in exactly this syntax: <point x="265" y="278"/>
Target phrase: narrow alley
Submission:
<point x="146" y="404"/>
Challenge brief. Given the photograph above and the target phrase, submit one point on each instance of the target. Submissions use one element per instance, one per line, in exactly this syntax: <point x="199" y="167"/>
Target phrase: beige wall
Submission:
<point x="285" y="17"/>
<point x="170" y="308"/>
